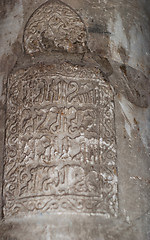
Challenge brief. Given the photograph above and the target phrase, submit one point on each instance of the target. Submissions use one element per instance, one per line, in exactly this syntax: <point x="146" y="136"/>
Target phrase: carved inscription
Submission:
<point x="60" y="142"/>
<point x="53" y="26"/>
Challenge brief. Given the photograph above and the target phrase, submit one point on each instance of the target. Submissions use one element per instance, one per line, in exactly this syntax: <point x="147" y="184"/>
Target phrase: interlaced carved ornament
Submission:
<point x="60" y="142"/>
<point x="55" y="26"/>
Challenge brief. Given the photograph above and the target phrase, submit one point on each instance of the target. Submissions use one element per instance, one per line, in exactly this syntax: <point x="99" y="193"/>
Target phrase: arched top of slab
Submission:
<point x="55" y="26"/>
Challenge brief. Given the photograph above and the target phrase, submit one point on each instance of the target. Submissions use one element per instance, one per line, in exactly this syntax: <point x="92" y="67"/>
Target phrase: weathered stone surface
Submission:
<point x="55" y="26"/>
<point x="116" y="41"/>
<point x="60" y="142"/>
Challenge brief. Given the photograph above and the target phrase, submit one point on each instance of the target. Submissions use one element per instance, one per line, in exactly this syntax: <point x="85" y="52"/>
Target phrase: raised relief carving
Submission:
<point x="55" y="26"/>
<point x="60" y="142"/>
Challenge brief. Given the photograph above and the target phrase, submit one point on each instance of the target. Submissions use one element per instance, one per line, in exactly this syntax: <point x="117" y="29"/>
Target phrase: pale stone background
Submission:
<point x="118" y="39"/>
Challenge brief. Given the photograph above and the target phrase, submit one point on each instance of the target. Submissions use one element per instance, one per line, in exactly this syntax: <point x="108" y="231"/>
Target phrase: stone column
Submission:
<point x="75" y="120"/>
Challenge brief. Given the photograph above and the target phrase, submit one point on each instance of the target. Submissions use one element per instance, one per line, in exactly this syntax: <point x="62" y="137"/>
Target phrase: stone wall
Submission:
<point x="114" y="43"/>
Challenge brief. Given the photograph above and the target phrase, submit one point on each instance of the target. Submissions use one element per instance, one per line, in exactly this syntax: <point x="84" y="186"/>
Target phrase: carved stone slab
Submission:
<point x="56" y="26"/>
<point x="60" y="142"/>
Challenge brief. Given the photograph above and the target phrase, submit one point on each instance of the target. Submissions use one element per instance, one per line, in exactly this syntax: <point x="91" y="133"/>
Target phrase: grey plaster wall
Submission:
<point x="118" y="42"/>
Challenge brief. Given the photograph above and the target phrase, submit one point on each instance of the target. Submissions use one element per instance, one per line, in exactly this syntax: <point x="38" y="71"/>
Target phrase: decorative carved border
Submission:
<point x="88" y="119"/>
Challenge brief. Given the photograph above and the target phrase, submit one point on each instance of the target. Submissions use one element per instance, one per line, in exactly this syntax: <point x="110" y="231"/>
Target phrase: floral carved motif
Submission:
<point x="55" y="26"/>
<point x="60" y="142"/>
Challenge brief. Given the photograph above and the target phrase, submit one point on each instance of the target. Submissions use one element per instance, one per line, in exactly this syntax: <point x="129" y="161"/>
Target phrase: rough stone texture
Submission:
<point x="118" y="44"/>
<point x="60" y="142"/>
<point x="54" y="26"/>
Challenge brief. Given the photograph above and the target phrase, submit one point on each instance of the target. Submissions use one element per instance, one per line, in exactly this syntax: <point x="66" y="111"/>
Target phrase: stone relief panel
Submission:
<point x="55" y="26"/>
<point x="60" y="142"/>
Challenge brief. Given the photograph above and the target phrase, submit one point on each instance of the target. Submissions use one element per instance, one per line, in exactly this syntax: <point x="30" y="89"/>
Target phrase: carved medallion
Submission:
<point x="60" y="142"/>
<point x="55" y="26"/>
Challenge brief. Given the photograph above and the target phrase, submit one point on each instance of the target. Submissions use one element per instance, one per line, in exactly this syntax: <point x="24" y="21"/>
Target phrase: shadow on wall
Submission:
<point x="147" y="7"/>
